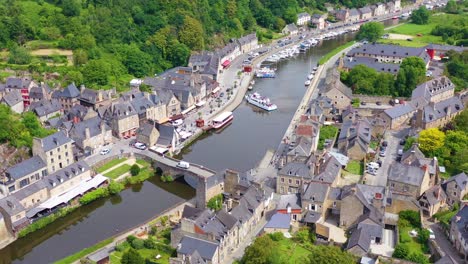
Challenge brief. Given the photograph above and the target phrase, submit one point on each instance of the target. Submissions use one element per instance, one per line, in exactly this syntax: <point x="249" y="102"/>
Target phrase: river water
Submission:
<point x="239" y="146"/>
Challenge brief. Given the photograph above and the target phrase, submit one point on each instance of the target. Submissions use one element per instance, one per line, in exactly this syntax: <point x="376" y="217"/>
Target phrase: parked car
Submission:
<point x="385" y="143"/>
<point x="431" y="234"/>
<point x="378" y="103"/>
<point x="105" y="151"/>
<point x="183" y="165"/>
<point x="363" y="103"/>
<point x="140" y="145"/>
<point x="221" y="94"/>
<point x="382" y="153"/>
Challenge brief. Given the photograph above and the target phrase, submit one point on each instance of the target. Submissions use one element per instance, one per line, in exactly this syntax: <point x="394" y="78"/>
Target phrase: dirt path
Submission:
<point x="399" y="36"/>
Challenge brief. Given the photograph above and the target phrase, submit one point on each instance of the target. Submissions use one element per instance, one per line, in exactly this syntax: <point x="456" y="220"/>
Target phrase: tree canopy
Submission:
<point x="132" y="257"/>
<point x="430" y="140"/>
<point x="371" y="31"/>
<point x="412" y="72"/>
<point x="365" y="80"/>
<point x="420" y="16"/>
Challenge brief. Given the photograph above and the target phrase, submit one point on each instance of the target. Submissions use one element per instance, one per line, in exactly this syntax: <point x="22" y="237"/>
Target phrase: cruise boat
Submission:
<point x="222" y="120"/>
<point x="265" y="73"/>
<point x="260" y="101"/>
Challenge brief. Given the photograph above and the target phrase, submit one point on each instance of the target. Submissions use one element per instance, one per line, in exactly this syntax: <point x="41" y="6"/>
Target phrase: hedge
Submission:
<point x="93" y="195"/>
<point x="46" y="220"/>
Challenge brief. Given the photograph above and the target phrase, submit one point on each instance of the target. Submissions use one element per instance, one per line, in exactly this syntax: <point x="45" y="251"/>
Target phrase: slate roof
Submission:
<point x="279" y="221"/>
<point x="460" y="221"/>
<point x="290" y="27"/>
<point x="372" y="63"/>
<point x="432" y="88"/>
<point x="303" y="15"/>
<point x="296" y="169"/>
<point x="312" y="217"/>
<point x="461" y="179"/>
<point x="78" y="131"/>
<point x="412" y="154"/>
<point x="330" y="171"/>
<point x="389" y="50"/>
<point x="77" y="111"/>
<point x="142" y="104"/>
<point x="40" y="92"/>
<point x="399" y="110"/>
<point x="55" y="140"/>
<point x="290" y="200"/>
<point x="26" y="167"/>
<point x="441" y="109"/>
<point x="13" y="98"/>
<point x="317" y="192"/>
<point x="358" y="132"/>
<point x="166" y="134"/>
<point x="208" y="61"/>
<point x="365" y="10"/>
<point x="122" y="110"/>
<point x="11" y="205"/>
<point x="364" y="234"/>
<point x="226" y="50"/>
<point x="434" y="195"/>
<point x="248" y="38"/>
<point x="45" y="107"/>
<point x="366" y="193"/>
<point x="70" y="92"/>
<point x="406" y="174"/>
<point x="92" y="96"/>
<point x="303" y="147"/>
<point x="333" y="82"/>
<point x="206" y="249"/>
<point x="29" y="190"/>
<point x="18" y="83"/>
<point x="354" y="12"/>
<point x="146" y="129"/>
<point x="191" y="212"/>
<point x="59" y="177"/>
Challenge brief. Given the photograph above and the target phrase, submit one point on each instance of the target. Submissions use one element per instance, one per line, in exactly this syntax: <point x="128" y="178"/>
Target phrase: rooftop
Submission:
<point x="26" y="167"/>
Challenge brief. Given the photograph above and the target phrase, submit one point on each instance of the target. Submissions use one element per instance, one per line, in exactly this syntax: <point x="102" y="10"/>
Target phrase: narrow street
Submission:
<point x="443" y="242"/>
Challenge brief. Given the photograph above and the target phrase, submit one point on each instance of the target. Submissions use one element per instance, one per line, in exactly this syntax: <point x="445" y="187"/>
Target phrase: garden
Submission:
<point x="326" y="132"/>
<point x="413" y="242"/>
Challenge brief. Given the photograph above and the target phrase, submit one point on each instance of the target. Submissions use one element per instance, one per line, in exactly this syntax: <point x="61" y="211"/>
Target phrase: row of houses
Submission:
<point x="367" y="12"/>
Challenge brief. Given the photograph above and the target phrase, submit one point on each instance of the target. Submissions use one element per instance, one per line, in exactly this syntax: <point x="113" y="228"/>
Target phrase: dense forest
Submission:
<point x="114" y="39"/>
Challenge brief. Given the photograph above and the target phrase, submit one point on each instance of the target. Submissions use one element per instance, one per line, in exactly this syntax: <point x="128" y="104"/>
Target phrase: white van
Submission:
<point x="183" y="165"/>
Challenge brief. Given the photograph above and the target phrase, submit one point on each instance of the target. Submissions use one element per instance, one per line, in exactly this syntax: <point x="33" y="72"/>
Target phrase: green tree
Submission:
<point x="420" y="16"/>
<point x="452" y="7"/>
<point x="412" y="72"/>
<point x="74" y="77"/>
<point x="330" y="255"/>
<point x="371" y="31"/>
<point x="191" y="33"/>
<point x="96" y="72"/>
<point x="461" y="121"/>
<point x="71" y="7"/>
<point x="19" y="55"/>
<point x="80" y="57"/>
<point x="132" y="257"/>
<point x="177" y="53"/>
<point x="423" y="236"/>
<point x="418" y="258"/>
<point x="134" y="170"/>
<point x="215" y="203"/>
<point x="260" y="251"/>
<point x="430" y="140"/>
<point x="401" y="251"/>
<point x="115" y="187"/>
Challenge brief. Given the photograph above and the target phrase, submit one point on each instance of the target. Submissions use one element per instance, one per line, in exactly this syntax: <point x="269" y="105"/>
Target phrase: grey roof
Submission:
<point x="99" y="255"/>
<point x="54" y="141"/>
<point x="206" y="249"/>
<point x="77" y="110"/>
<point x="389" y="50"/>
<point x="63" y="175"/>
<point x="26" y="167"/>
<point x="11" y="205"/>
<point x="412" y="154"/>
<point x="434" y="195"/>
<point x="441" y="109"/>
<point x="70" y="91"/>
<point x="46" y="107"/>
<point x="334" y="194"/>
<point x="142" y="104"/>
<point x="196" y="258"/>
<point x="354" y="12"/>
<point x="316" y="191"/>
<point x="330" y="171"/>
<point x="446" y="47"/>
<point x="226" y="219"/>
<point x="365" y="10"/>
<point x="92" y="96"/>
<point x="279" y="220"/>
<point x="291" y="27"/>
<point x="290" y="200"/>
<point x="406" y="174"/>
<point x="333" y="82"/>
<point x="366" y="193"/>
<point x="460" y="221"/>
<point x="432" y="88"/>
<point x="303" y="14"/>
<point x="166" y="134"/>
<point x="461" y="179"/>
<point x="357" y="132"/>
<point x="122" y="110"/>
<point x="94" y="125"/>
<point x="303" y="147"/>
<point x="248" y="38"/>
<point x="364" y="234"/>
<point x="351" y="62"/>
<point x="146" y="129"/>
<point x="207" y="61"/>
<point x="13" y="98"/>
<point x="30" y="190"/>
<point x="296" y="169"/>
<point x="312" y="217"/>
<point x="191" y="212"/>
<point x="226" y="50"/>
<point x="40" y="92"/>
<point x="18" y="83"/>
<point x="399" y="110"/>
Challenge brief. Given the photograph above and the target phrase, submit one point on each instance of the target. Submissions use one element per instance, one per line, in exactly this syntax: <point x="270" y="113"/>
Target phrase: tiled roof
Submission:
<point x="70" y="92"/>
<point x="46" y="107"/>
<point x="206" y="249"/>
<point x="441" y="109"/>
<point x="330" y="171"/>
<point x="11" y="205"/>
<point x="351" y="62"/>
<point x="54" y="141"/>
<point x="26" y="167"/>
<point x="295" y="169"/>
<point x="78" y="131"/>
<point x="460" y="221"/>
<point x="388" y="50"/>
<point x="434" y="195"/>
<point x="63" y="175"/>
<point x="333" y="82"/>
<point x="289" y="200"/>
<point x="19" y="83"/>
<point x="461" y="179"/>
<point x="317" y="192"/>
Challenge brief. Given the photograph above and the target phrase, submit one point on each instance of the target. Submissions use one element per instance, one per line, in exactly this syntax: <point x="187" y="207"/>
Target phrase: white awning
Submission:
<point x="215" y="90"/>
<point x="185" y="135"/>
<point x="160" y="150"/>
<point x="201" y="103"/>
<point x="188" y="109"/>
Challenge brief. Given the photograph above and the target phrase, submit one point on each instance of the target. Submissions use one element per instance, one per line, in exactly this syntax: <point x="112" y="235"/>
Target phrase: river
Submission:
<point x="239" y="146"/>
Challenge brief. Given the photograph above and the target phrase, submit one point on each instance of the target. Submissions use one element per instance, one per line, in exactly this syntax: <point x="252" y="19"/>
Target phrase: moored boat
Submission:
<point x="307" y="83"/>
<point x="222" y="120"/>
<point x="260" y="101"/>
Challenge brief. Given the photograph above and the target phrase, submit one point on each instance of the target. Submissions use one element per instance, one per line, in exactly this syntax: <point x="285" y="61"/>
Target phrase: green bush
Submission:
<point x="423" y="235"/>
<point x="150" y="243"/>
<point x="277" y="236"/>
<point x="115" y="187"/>
<point x="131" y="238"/>
<point x="138" y="243"/>
<point x="418" y="258"/>
<point x="166" y="177"/>
<point x="94" y="195"/>
<point x="412" y="217"/>
<point x="402" y="223"/>
<point x="401" y="251"/>
<point x="216" y="203"/>
<point x="122" y="246"/>
<point x="134" y="170"/>
<point x="405" y="237"/>
<point x="44" y="221"/>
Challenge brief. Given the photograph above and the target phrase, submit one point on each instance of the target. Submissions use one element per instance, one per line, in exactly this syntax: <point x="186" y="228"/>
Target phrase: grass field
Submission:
<point x="121" y="170"/>
<point x="294" y="252"/>
<point x="143" y="163"/>
<point x="110" y="164"/>
<point x="335" y="51"/>
<point x="412" y="242"/>
<point x="355" y="167"/>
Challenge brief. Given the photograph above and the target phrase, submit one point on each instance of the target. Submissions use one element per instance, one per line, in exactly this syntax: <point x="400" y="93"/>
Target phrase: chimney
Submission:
<point x="103" y="128"/>
<point x="99" y="94"/>
<point x="87" y="134"/>
<point x="82" y="88"/>
<point x="55" y="141"/>
<point x="377" y="200"/>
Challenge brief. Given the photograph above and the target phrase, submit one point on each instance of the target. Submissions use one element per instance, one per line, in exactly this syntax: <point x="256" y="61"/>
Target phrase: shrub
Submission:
<point x="131" y="238"/>
<point x="423" y="236"/>
<point x="134" y="170"/>
<point x="115" y="187"/>
<point x="412" y="217"/>
<point x="405" y="237"/>
<point x="277" y="236"/>
<point x="418" y="258"/>
<point x="166" y="177"/>
<point x="138" y="243"/>
<point x="401" y="251"/>
<point x="93" y="195"/>
<point x="122" y="246"/>
<point x="403" y="223"/>
<point x="150" y="243"/>
<point x="216" y="203"/>
<point x="44" y="221"/>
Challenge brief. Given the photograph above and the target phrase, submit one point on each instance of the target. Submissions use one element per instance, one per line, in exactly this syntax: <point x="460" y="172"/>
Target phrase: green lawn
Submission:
<point x="115" y="173"/>
<point x="402" y="42"/>
<point x="355" y="167"/>
<point x="326" y="132"/>
<point x="110" y="164"/>
<point x="148" y="254"/>
<point x="412" y="242"/>
<point x="335" y="51"/>
<point x="445" y="216"/>
<point x="143" y="163"/>
<point x="294" y="252"/>
<point x="84" y="252"/>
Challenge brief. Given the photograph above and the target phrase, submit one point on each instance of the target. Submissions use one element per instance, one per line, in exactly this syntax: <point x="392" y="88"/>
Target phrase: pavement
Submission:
<point x="443" y="242"/>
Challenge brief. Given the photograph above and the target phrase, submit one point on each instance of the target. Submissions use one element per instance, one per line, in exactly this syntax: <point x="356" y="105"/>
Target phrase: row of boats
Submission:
<point x="311" y="76"/>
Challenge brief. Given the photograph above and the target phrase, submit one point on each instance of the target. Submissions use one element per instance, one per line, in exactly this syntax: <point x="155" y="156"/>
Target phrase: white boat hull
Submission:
<point x="270" y="107"/>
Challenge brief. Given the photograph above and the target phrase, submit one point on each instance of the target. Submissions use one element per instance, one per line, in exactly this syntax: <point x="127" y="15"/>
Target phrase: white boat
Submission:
<point x="265" y="73"/>
<point x="310" y="76"/>
<point x="222" y="120"/>
<point x="307" y="83"/>
<point x="250" y="87"/>
<point x="260" y="101"/>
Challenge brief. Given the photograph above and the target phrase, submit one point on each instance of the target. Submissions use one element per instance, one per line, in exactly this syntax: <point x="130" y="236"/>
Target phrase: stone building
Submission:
<point x="354" y="139"/>
<point x="319" y="21"/>
<point x="409" y="180"/>
<point x="68" y="97"/>
<point x="14" y="100"/>
<point x="303" y="19"/>
<point x="292" y="177"/>
<point x="397" y="116"/>
<point x="23" y="174"/>
<point x="456" y="187"/>
<point x="433" y="91"/>
<point x="366" y="13"/>
<point x="342" y="15"/>
<point x="386" y="53"/>
<point x="95" y="98"/>
<point x="147" y="134"/>
<point x="354" y="15"/>
<point x="91" y="134"/>
<point x="439" y="114"/>
<point x="290" y="29"/>
<point x="432" y="200"/>
<point x="459" y="232"/>
<point x="337" y="91"/>
<point x="248" y="42"/>
<point x="56" y="150"/>
<point x="23" y="85"/>
<point x="123" y="118"/>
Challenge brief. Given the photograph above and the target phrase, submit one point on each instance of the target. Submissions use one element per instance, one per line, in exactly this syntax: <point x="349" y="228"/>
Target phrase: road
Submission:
<point x="443" y="242"/>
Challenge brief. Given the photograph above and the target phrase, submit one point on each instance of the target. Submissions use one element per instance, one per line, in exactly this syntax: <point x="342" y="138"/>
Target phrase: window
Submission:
<point x="53" y="168"/>
<point x="282" y="179"/>
<point x="66" y="154"/>
<point x="51" y="153"/>
<point x="11" y="188"/>
<point x="60" y="157"/>
<point x="290" y="181"/>
<point x="18" y="217"/>
<point x="66" y="146"/>
<point x="393" y="185"/>
<point x="297" y="182"/>
<point x="51" y="160"/>
<point x="58" y="149"/>
<point x="24" y="182"/>
<point x="281" y="190"/>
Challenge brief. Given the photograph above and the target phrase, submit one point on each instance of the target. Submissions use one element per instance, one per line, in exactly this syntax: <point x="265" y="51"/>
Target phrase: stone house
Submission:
<point x="439" y="114"/>
<point x="14" y="214"/>
<point x="123" y="118"/>
<point x="397" y="116"/>
<point x="354" y="15"/>
<point x="300" y="151"/>
<point x="228" y="53"/>
<point x="321" y="109"/>
<point x="290" y="29"/>
<point x="303" y="19"/>
<point x="409" y="180"/>
<point x="369" y="232"/>
<point x="206" y="64"/>
<point x="329" y="171"/>
<point x="292" y="177"/>
<point x="342" y="15"/>
<point x="195" y="250"/>
<point x="173" y="106"/>
<point x="354" y="138"/>
<point x="385" y="53"/>
<point x="338" y="92"/>
<point x="432" y="200"/>
<point x="23" y="85"/>
<point x="23" y="174"/>
<point x="68" y="97"/>
<point x="456" y="187"/>
<point x="248" y="43"/>
<point x="414" y="157"/>
<point x="56" y="150"/>
<point x="148" y="134"/>
<point x="459" y="232"/>
<point x="319" y="21"/>
<point x="379" y="9"/>
<point x="91" y="134"/>
<point x="95" y="98"/>
<point x="46" y="109"/>
<point x="168" y="137"/>
<point x="308" y="128"/>
<point x="433" y="91"/>
<point x="40" y="92"/>
<point x="366" y="13"/>
<point x="278" y="223"/>
<point x="315" y="203"/>
<point x="290" y="204"/>
<point x="14" y="100"/>
<point x="67" y="178"/>
<point x="149" y="106"/>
